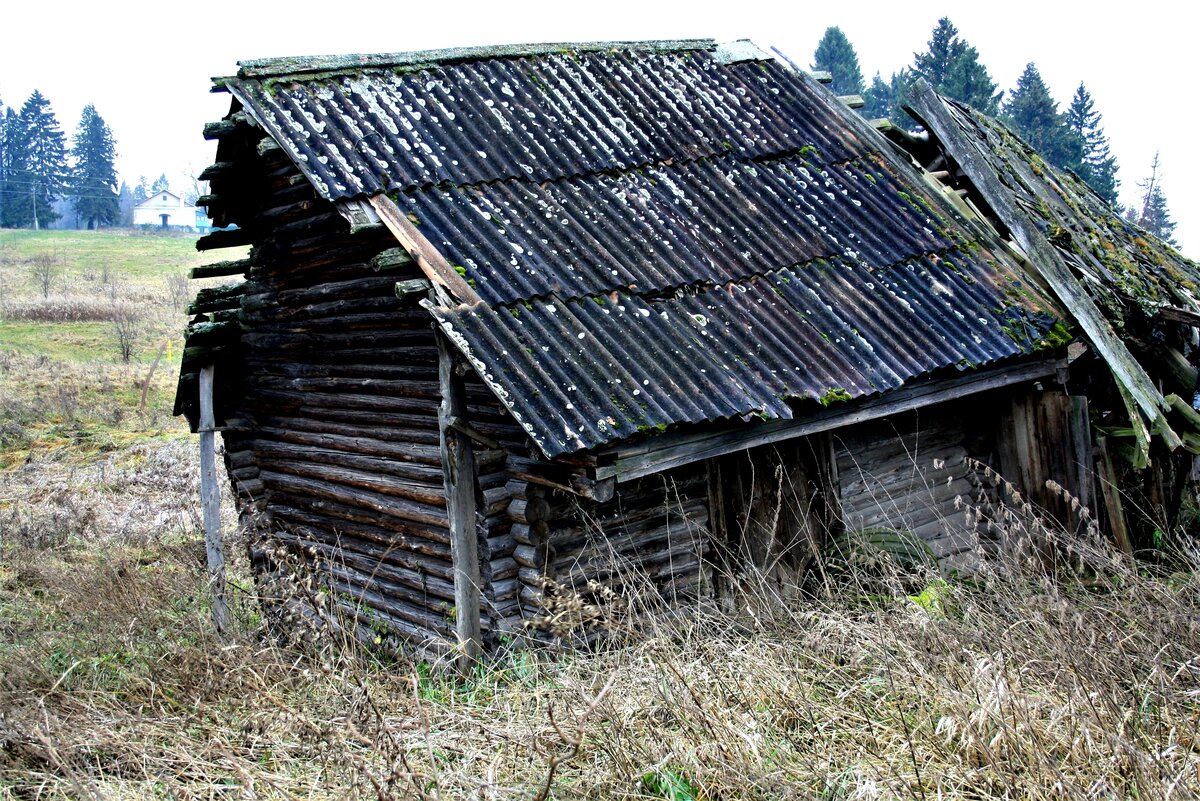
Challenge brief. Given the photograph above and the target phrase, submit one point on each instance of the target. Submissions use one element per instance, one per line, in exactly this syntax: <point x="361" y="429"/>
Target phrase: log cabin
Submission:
<point x="521" y="324"/>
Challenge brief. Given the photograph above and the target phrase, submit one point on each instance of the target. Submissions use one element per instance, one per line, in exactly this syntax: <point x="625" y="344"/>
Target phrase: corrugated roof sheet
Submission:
<point x="538" y="118"/>
<point x="658" y="237"/>
<point x="581" y="373"/>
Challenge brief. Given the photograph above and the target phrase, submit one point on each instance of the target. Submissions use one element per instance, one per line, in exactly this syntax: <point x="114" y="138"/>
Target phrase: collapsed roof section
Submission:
<point x="1111" y="275"/>
<point x="633" y="237"/>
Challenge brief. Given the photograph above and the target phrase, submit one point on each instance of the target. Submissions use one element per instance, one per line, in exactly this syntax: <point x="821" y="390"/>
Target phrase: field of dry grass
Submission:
<point x="1027" y="680"/>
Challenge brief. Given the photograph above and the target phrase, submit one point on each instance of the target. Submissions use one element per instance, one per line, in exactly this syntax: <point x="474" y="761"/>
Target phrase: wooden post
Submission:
<point x="210" y="501"/>
<point x="1112" y="497"/>
<point x="458" y="471"/>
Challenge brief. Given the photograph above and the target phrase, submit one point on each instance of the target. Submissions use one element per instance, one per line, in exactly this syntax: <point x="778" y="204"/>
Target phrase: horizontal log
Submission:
<point x="416" y="442"/>
<point x="269" y="452"/>
<point x="217" y="170"/>
<point x="503" y="569"/>
<point x="219" y="298"/>
<point x="416" y="493"/>
<point x="229" y="238"/>
<point x="414" y="427"/>
<point x="222" y="269"/>
<point x="412" y="579"/>
<point x="528" y="510"/>
<point x="365" y="523"/>
<point x="290" y="399"/>
<point x="390" y="505"/>
<point x="316" y="443"/>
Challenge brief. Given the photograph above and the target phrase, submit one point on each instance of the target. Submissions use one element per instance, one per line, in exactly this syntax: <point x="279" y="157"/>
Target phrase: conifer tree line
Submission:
<point x="1072" y="139"/>
<point x="38" y="167"/>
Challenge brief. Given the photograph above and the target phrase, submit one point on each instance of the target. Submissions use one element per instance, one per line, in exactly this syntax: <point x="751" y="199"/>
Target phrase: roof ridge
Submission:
<point x="294" y="65"/>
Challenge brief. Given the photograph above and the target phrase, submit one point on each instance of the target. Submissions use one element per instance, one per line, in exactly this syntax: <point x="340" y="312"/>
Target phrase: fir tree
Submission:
<point x="125" y="202"/>
<point x="883" y="98"/>
<point x="37" y="169"/>
<point x="952" y="67"/>
<point x="836" y="55"/>
<point x="1034" y="114"/>
<point x="1153" y="214"/>
<point x="13" y="157"/>
<point x="94" y="179"/>
<point x="1098" y="166"/>
<point x="3" y="161"/>
<point x="142" y="191"/>
<point x="160" y="185"/>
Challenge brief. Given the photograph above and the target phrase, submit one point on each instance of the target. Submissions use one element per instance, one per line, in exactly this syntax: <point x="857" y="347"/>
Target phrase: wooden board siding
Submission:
<point x="908" y="472"/>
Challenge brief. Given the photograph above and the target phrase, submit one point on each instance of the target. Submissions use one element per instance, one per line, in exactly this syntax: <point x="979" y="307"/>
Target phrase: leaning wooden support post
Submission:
<point x="210" y="501"/>
<point x="458" y="470"/>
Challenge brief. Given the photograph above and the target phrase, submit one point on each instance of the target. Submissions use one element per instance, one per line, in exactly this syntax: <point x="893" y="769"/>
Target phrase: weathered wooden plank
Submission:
<point x="427" y="257"/>
<point x="458" y="465"/>
<point x="210" y="500"/>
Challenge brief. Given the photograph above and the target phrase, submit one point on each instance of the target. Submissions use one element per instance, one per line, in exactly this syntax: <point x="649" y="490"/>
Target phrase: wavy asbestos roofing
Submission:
<point x="659" y="237"/>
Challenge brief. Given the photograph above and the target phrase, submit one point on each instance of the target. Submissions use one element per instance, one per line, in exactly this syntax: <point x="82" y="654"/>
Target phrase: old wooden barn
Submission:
<point x="519" y="321"/>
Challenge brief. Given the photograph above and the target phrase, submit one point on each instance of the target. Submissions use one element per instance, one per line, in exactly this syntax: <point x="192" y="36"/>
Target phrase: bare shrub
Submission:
<point x="179" y="290"/>
<point x="43" y="269"/>
<point x="125" y="327"/>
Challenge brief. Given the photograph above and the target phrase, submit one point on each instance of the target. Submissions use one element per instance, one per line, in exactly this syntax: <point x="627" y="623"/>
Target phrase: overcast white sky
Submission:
<point x="147" y="69"/>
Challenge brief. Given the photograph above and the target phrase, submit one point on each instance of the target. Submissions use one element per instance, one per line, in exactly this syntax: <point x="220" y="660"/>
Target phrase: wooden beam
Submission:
<point x="852" y="101"/>
<point x="666" y="451"/>
<point x="427" y="257"/>
<point x="1126" y="370"/>
<point x="1112" y="498"/>
<point x="210" y="501"/>
<point x="231" y="238"/>
<point x="1180" y="315"/>
<point x="458" y="472"/>
<point x="822" y="76"/>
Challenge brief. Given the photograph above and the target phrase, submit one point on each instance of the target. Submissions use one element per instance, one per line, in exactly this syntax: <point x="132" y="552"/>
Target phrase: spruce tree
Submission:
<point x="13" y="157"/>
<point x="883" y="98"/>
<point x="1098" y="166"/>
<point x="142" y="190"/>
<point x="836" y="55"/>
<point x="37" y="171"/>
<point x="1153" y="214"/>
<point x="94" y="178"/>
<point x="3" y="162"/>
<point x="952" y="67"/>
<point x="1034" y="114"/>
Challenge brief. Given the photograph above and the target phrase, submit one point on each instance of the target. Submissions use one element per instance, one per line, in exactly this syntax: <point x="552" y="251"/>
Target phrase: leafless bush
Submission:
<point x="178" y="290"/>
<point x="125" y="327"/>
<point x="44" y="269"/>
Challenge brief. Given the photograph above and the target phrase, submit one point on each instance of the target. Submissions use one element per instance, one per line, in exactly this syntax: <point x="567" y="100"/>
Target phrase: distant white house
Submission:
<point x="165" y="209"/>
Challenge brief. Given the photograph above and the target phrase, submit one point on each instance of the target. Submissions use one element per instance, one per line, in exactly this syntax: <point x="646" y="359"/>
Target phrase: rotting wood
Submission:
<point x="1128" y="373"/>
<point x="427" y="257"/>
<point x="210" y="499"/>
<point x="852" y="101"/>
<point x="458" y="465"/>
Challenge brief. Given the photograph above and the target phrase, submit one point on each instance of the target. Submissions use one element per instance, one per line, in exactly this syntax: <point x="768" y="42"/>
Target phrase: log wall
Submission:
<point x="330" y="410"/>
<point x="647" y="545"/>
<point x="913" y="472"/>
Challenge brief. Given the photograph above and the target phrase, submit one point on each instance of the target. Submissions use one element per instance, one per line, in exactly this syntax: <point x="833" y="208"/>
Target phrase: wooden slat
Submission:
<point x="427" y="257"/>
